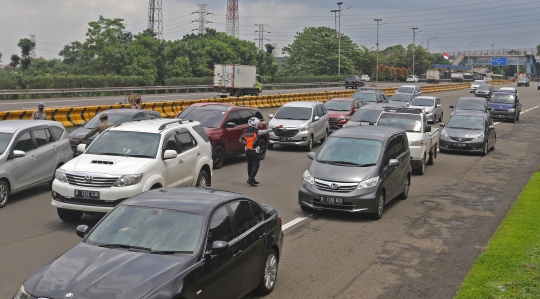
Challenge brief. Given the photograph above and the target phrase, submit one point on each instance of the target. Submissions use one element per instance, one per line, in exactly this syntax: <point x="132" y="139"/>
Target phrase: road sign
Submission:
<point x="498" y="61"/>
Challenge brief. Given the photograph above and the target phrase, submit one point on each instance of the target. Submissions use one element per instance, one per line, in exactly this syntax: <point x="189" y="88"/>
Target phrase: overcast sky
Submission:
<point x="456" y="24"/>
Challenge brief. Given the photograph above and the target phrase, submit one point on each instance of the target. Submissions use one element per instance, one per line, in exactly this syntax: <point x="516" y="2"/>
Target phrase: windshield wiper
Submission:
<point x="462" y="128"/>
<point x="344" y="163"/>
<point x="108" y="154"/>
<point x="125" y="246"/>
<point x="368" y="164"/>
<point x="168" y="251"/>
<point x="412" y="131"/>
<point x="140" y="156"/>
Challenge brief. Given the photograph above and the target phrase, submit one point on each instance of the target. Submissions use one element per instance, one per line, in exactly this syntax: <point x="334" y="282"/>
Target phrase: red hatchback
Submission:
<point x="341" y="109"/>
<point x="224" y="125"/>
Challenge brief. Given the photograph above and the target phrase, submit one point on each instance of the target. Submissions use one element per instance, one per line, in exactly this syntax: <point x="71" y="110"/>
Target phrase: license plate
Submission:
<point x="284" y="138"/>
<point x="460" y="145"/>
<point x="499" y="115"/>
<point x="332" y="200"/>
<point x="87" y="194"/>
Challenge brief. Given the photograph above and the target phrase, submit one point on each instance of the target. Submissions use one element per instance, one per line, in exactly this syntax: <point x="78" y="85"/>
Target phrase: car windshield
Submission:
<point x="483" y="87"/>
<point x="407" y="122"/>
<point x="410" y="76"/>
<point x="479" y="82"/>
<point x="350" y="151"/>
<point x="503" y="98"/>
<point x="522" y="79"/>
<point x="350" y="78"/>
<point x="296" y="113"/>
<point x="400" y="98"/>
<point x="128" y="144"/>
<point x="368" y="97"/>
<point x="153" y="230"/>
<point x="509" y="89"/>
<point x="112" y="117"/>
<point x="468" y="122"/>
<point x="365" y="115"/>
<point x="425" y="102"/>
<point x="365" y="76"/>
<point x="406" y="89"/>
<point x="470" y="105"/>
<point x="5" y="138"/>
<point x="186" y="111"/>
<point x="338" y="105"/>
<point x="208" y="118"/>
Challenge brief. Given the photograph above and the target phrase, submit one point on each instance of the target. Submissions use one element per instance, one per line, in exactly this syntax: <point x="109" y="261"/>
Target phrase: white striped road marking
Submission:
<point x="292" y="223"/>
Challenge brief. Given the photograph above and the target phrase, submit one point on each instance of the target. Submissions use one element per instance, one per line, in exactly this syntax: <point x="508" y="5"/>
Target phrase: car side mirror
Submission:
<point x="81" y="148"/>
<point x="442" y="124"/>
<point x="17" y="154"/>
<point x="230" y="125"/>
<point x="393" y="162"/>
<point x="219" y="247"/>
<point x="427" y="129"/>
<point x="491" y="128"/>
<point x="169" y="154"/>
<point x="311" y="155"/>
<point x="316" y="118"/>
<point x="451" y="106"/>
<point x="270" y="116"/>
<point x="490" y="108"/>
<point x="438" y="105"/>
<point x="517" y="100"/>
<point x="82" y="230"/>
<point x="83" y="123"/>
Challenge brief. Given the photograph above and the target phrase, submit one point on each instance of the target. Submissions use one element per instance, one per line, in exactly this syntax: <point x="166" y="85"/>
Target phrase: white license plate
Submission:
<point x="460" y="144"/>
<point x="86" y="194"/>
<point x="284" y="138"/>
<point x="332" y="200"/>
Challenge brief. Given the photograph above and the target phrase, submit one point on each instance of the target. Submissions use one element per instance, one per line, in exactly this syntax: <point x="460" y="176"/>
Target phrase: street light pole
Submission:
<point x="335" y="18"/>
<point x="377" y="66"/>
<point x="414" y="46"/>
<point x="339" y="40"/>
<point x="428" y="42"/>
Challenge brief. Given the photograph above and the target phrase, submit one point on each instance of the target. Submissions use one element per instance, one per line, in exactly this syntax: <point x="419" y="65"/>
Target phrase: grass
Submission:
<point x="510" y="266"/>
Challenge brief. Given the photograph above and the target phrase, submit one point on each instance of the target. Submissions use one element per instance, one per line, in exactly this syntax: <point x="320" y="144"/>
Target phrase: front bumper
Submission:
<point x="430" y="116"/>
<point x="300" y="139"/>
<point x="502" y="114"/>
<point x="417" y="155"/>
<point x="473" y="89"/>
<point x="356" y="201"/>
<point x="473" y="146"/>
<point x="485" y="95"/>
<point x="63" y="196"/>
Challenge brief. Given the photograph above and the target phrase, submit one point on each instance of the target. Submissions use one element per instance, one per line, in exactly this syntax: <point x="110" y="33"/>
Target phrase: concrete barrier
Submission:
<point x="75" y="116"/>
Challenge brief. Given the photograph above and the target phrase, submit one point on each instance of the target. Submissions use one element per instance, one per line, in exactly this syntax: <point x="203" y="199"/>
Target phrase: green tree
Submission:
<point x="71" y="53"/>
<point x="15" y="61"/>
<point x="26" y="46"/>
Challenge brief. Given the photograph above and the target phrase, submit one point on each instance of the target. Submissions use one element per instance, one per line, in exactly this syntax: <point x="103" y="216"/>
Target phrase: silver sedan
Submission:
<point x="432" y="106"/>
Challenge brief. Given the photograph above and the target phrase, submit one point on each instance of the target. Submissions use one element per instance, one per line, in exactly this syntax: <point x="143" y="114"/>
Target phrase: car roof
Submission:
<point x="152" y="125"/>
<point x="301" y="104"/>
<point x="367" y="132"/>
<point x="12" y="126"/>
<point x="403" y="93"/>
<point x="425" y="97"/>
<point x="125" y="111"/>
<point x="408" y="85"/>
<point x="470" y="112"/>
<point x="472" y="99"/>
<point x="211" y="103"/>
<point x="193" y="200"/>
<point x="505" y="92"/>
<point x="342" y="99"/>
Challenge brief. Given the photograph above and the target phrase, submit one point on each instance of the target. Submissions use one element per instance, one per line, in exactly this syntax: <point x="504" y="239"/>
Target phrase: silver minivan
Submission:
<point x="30" y="153"/>
<point x="303" y="123"/>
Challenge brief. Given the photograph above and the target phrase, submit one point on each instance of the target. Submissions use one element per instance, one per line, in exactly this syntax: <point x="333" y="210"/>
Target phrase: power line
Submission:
<point x="261" y="32"/>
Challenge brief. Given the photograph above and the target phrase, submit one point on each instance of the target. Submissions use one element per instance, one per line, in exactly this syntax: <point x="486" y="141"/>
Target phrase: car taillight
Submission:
<point x="354" y="81"/>
<point x="70" y="143"/>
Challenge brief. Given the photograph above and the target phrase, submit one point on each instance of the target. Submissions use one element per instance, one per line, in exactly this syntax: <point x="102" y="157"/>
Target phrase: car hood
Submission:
<point x="288" y="123"/>
<point x="398" y="103"/>
<point x="336" y="114"/>
<point x="91" y="272"/>
<point x="475" y="85"/>
<point x="80" y="132"/>
<point x="94" y="163"/>
<point x="337" y="173"/>
<point x="501" y="106"/>
<point x="462" y="133"/>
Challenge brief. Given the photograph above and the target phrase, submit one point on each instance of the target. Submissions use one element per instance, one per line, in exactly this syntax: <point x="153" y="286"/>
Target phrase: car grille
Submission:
<point x="335" y="186"/>
<point x="460" y="139"/>
<point x="286" y="133"/>
<point x="91" y="202"/>
<point x="89" y="180"/>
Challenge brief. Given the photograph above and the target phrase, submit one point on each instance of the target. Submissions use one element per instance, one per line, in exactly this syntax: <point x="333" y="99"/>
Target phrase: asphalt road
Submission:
<point x="106" y="100"/>
<point x="422" y="247"/>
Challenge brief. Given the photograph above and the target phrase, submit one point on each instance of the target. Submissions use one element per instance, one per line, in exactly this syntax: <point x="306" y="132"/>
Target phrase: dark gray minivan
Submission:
<point x="359" y="170"/>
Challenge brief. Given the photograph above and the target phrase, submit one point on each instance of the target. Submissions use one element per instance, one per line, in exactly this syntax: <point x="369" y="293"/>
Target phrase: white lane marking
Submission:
<point x="292" y="223"/>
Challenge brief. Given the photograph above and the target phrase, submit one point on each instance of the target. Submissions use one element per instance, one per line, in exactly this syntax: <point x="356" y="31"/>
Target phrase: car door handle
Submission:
<point x="180" y="161"/>
<point x="237" y="253"/>
<point x="262" y="236"/>
<point x="198" y="153"/>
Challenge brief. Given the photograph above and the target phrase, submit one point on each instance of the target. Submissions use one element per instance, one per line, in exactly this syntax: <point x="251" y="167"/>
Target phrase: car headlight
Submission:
<point x="511" y="110"/>
<point x="128" y="180"/>
<point x="444" y="134"/>
<point x="22" y="294"/>
<point x="60" y="175"/>
<point x="368" y="183"/>
<point x="303" y="128"/>
<point x="479" y="136"/>
<point x="429" y="110"/>
<point x="343" y="117"/>
<point x="308" y="177"/>
<point x="416" y="143"/>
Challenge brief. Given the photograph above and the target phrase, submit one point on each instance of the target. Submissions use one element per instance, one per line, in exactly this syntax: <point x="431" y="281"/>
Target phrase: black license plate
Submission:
<point x="499" y="115"/>
<point x="284" y="138"/>
<point x="87" y="194"/>
<point x="332" y="200"/>
<point x="459" y="144"/>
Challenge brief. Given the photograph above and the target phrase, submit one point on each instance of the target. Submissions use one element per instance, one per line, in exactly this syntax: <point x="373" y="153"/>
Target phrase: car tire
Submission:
<point x="518" y="114"/>
<point x="202" y="180"/>
<point x="69" y="215"/>
<point x="262" y="148"/>
<point x="325" y="136"/>
<point x="422" y="169"/>
<point x="306" y="209"/>
<point x="485" y="149"/>
<point x="435" y="150"/>
<point x="405" y="194"/>
<point x="431" y="159"/>
<point x="218" y="156"/>
<point x="269" y="273"/>
<point x="494" y="142"/>
<point x="441" y="118"/>
<point x="4" y="193"/>
<point x="270" y="146"/>
<point x="309" y="146"/>
<point x="513" y="120"/>
<point x="379" y="207"/>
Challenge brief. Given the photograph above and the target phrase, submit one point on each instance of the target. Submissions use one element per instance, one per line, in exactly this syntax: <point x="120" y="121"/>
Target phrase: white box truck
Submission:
<point x="433" y="76"/>
<point x="236" y="80"/>
<point x="457" y="77"/>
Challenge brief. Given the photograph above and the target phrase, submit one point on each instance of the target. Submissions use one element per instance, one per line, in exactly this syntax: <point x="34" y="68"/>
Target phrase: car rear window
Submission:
<point x="200" y="130"/>
<point x="368" y="97"/>
<point x="406" y="89"/>
<point x="5" y="138"/>
<point x="350" y="78"/>
<point x="470" y="105"/>
<point x="365" y="115"/>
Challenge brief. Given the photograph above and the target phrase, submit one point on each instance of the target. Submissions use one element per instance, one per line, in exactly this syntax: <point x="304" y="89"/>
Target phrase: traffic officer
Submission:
<point x="250" y="138"/>
<point x="39" y="114"/>
<point x="104" y="125"/>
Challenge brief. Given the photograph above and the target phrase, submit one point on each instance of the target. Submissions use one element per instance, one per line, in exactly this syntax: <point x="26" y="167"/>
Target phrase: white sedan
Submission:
<point x="412" y="78"/>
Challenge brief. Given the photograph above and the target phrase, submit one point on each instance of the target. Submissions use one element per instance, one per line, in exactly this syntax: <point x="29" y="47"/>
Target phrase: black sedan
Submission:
<point x="115" y="116"/>
<point x="169" y="243"/>
<point x="471" y="104"/>
<point x="468" y="131"/>
<point x="485" y="91"/>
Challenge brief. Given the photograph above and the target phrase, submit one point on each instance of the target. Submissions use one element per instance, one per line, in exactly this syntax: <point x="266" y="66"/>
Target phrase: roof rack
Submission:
<point x="177" y="121"/>
<point x="132" y="120"/>
<point x="404" y="110"/>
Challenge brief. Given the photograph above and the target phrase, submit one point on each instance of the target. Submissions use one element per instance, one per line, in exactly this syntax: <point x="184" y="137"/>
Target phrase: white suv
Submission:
<point x="130" y="158"/>
<point x="412" y="78"/>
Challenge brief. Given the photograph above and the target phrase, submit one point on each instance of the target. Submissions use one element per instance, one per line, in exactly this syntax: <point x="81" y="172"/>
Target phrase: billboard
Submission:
<point x="498" y="61"/>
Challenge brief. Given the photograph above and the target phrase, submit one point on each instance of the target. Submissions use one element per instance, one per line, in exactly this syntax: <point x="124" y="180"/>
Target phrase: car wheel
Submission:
<point x="218" y="155"/>
<point x="69" y="215"/>
<point x="494" y="142"/>
<point x="379" y="203"/>
<point x="269" y="273"/>
<point x="513" y="120"/>
<point x="306" y="209"/>
<point x="518" y="114"/>
<point x="440" y="119"/>
<point x="485" y="149"/>
<point x="405" y="192"/>
<point x="431" y="159"/>
<point x="202" y="181"/>
<point x="422" y="169"/>
<point x="270" y="146"/>
<point x="309" y="146"/>
<point x="435" y="150"/>
<point x="262" y="149"/>
<point x="4" y="193"/>
<point x="325" y="136"/>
